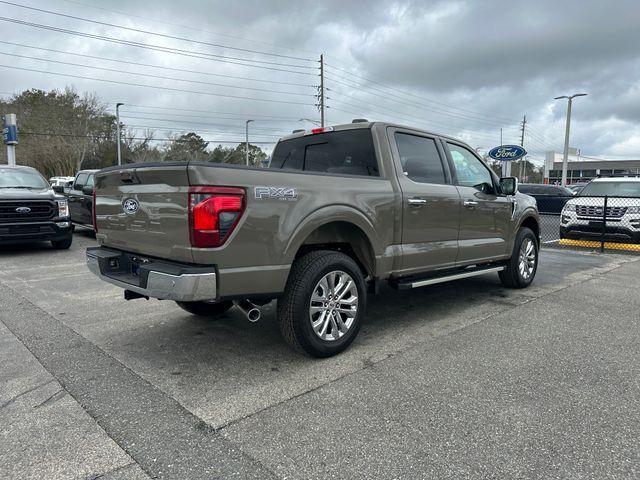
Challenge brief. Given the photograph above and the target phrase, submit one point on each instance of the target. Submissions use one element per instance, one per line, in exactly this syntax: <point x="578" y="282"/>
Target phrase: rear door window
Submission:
<point x="347" y="152"/>
<point x="420" y="158"/>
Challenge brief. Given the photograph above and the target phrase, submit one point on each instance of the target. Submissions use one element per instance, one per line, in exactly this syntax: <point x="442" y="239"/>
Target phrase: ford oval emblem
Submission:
<point x="23" y="210"/>
<point x="130" y="205"/>
<point x="507" y="153"/>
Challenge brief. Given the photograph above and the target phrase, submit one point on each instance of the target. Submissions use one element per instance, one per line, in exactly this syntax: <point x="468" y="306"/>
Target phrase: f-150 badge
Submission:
<point x="278" y="193"/>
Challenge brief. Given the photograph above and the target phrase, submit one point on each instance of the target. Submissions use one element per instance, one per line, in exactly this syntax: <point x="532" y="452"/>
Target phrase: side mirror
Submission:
<point x="509" y="185"/>
<point x="58" y="189"/>
<point x="88" y="190"/>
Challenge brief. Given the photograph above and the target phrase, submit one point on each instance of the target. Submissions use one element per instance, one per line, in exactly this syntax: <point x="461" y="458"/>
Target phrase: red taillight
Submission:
<point x="93" y="211"/>
<point x="213" y="214"/>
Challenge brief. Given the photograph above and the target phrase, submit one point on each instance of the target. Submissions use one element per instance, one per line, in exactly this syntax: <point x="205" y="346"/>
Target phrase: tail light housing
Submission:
<point x="93" y="211"/>
<point x="214" y="213"/>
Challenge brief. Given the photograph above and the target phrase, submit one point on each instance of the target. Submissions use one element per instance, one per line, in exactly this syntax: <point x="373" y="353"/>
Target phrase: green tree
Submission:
<point x="187" y="147"/>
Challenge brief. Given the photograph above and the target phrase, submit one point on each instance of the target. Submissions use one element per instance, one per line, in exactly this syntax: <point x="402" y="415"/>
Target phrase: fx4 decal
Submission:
<point x="280" y="193"/>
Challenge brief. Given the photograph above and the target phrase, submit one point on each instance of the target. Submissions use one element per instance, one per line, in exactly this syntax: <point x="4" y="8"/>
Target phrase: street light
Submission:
<point x="118" y="105"/>
<point x="565" y="158"/>
<point x="247" y="139"/>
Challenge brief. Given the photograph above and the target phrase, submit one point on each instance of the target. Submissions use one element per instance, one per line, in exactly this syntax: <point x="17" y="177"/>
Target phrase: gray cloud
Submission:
<point x="502" y="59"/>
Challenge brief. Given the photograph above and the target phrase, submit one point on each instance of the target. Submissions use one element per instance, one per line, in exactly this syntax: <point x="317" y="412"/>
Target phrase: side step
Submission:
<point x="406" y="284"/>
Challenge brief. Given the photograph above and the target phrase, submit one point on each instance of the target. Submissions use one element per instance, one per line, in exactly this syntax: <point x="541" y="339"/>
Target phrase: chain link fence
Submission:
<point x="596" y="223"/>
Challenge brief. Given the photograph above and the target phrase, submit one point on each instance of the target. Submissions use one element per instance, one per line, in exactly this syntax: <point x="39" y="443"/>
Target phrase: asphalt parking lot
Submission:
<point x="464" y="380"/>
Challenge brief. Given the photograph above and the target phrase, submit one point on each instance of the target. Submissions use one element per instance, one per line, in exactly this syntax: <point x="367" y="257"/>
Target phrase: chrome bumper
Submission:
<point x="189" y="287"/>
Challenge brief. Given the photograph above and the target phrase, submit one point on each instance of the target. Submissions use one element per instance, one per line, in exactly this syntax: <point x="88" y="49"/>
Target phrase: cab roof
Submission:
<point x="369" y="125"/>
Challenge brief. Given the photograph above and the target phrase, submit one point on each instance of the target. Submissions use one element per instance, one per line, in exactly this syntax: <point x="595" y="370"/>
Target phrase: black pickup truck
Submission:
<point x="30" y="211"/>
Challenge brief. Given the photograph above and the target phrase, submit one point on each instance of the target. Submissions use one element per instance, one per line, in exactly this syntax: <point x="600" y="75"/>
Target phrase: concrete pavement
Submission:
<point x="465" y="380"/>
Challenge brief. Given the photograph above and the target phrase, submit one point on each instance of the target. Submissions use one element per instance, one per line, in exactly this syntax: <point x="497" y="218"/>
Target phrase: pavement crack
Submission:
<point x="26" y="392"/>
<point x="53" y="398"/>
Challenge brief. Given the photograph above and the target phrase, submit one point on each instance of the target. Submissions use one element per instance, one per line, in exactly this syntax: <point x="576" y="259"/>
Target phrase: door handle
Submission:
<point x="416" y="202"/>
<point x="470" y="203"/>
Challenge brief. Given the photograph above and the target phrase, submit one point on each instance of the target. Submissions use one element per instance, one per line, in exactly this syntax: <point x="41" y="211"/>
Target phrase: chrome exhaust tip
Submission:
<point x="252" y="312"/>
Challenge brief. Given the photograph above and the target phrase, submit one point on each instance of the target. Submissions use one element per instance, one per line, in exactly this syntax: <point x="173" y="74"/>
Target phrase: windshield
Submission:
<point x="613" y="188"/>
<point x="18" y="178"/>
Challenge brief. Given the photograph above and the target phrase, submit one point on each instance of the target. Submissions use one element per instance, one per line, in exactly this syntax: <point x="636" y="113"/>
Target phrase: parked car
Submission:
<point x="575" y="189"/>
<point x="550" y="198"/>
<point x="81" y="199"/>
<point x="340" y="210"/>
<point x="64" y="182"/>
<point x="584" y="215"/>
<point x="30" y="211"/>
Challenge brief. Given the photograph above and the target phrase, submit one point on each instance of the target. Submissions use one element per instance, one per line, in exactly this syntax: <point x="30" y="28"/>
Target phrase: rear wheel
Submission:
<point x="205" y="309"/>
<point x="62" y="244"/>
<point x="523" y="264"/>
<point x="323" y="305"/>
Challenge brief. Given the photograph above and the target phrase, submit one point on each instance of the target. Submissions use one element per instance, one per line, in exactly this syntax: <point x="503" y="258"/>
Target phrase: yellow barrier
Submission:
<point x="632" y="247"/>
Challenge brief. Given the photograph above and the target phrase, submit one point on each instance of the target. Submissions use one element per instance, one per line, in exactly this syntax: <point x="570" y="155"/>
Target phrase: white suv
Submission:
<point x="583" y="215"/>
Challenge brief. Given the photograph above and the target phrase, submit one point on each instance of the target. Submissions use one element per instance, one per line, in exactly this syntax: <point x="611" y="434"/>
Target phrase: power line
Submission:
<point x="243" y="115"/>
<point x="157" y="34"/>
<point x="147" y="32"/>
<point x="95" y="57"/>
<point x="192" y="122"/>
<point x="190" y="28"/>
<point x="82" y="77"/>
<point x="99" y="137"/>
<point x="159" y="48"/>
<point x="173" y="129"/>
<point x="412" y="103"/>
<point x="150" y="75"/>
<point x="416" y="96"/>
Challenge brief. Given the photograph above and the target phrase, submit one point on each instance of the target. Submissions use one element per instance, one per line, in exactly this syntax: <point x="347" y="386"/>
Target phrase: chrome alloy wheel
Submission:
<point x="333" y="306"/>
<point x="527" y="259"/>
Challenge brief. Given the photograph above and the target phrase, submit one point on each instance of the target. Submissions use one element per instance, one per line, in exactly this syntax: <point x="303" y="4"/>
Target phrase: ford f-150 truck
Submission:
<point x="30" y="209"/>
<point x="340" y="210"/>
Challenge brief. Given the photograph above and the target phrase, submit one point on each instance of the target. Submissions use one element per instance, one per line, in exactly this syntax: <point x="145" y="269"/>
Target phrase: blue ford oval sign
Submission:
<point x="507" y="152"/>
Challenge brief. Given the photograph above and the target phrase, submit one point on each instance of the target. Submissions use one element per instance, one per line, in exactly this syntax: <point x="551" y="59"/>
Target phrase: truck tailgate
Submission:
<point x="145" y="210"/>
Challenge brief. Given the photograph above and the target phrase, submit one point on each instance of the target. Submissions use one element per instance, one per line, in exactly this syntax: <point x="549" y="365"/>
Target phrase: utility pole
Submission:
<point x="118" y="105"/>
<point x="321" y="94"/>
<point x="246" y="125"/>
<point x="565" y="156"/>
<point x="506" y="166"/>
<point x="10" y="136"/>
<point x="523" y="165"/>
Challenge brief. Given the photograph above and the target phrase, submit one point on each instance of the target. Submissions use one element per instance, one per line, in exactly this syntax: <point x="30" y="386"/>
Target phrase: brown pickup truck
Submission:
<point x="339" y="210"/>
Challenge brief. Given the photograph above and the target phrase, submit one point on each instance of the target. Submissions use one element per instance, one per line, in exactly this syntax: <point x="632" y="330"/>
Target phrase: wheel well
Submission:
<point x="533" y="225"/>
<point x="344" y="237"/>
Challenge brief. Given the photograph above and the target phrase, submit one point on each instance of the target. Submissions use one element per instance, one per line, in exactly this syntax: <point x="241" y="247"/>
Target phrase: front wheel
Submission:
<point x="205" y="309"/>
<point x="323" y="305"/>
<point x="62" y="244"/>
<point x="523" y="264"/>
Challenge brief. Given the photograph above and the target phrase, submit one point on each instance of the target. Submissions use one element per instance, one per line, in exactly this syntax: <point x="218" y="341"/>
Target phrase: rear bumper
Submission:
<point x="151" y="277"/>
<point x="34" y="232"/>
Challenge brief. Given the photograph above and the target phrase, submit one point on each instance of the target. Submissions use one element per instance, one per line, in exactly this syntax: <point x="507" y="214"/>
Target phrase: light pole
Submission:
<point x="565" y="157"/>
<point x="247" y="140"/>
<point x="118" y="105"/>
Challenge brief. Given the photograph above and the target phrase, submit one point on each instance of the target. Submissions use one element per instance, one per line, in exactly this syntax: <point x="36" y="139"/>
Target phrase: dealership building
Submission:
<point x="581" y="169"/>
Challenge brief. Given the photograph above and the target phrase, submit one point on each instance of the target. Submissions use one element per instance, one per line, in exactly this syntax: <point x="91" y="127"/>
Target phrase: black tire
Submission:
<point x="294" y="306"/>
<point x="511" y="277"/>
<point x="62" y="244"/>
<point x="206" y="309"/>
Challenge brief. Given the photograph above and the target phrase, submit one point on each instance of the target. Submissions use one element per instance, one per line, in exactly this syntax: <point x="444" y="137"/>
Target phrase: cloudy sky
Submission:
<point x="464" y="68"/>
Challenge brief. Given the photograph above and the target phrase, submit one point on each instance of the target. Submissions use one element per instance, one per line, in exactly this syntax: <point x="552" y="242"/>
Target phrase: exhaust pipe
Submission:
<point x="252" y="312"/>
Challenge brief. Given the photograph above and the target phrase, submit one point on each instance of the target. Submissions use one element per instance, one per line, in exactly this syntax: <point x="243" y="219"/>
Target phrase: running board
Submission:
<point x="415" y="283"/>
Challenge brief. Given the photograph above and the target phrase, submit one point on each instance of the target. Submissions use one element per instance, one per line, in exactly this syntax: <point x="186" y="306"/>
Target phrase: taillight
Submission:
<point x="93" y="211"/>
<point x="213" y="214"/>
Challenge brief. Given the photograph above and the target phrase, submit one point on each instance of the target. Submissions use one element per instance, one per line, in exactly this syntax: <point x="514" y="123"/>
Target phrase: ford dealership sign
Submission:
<point x="507" y="153"/>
